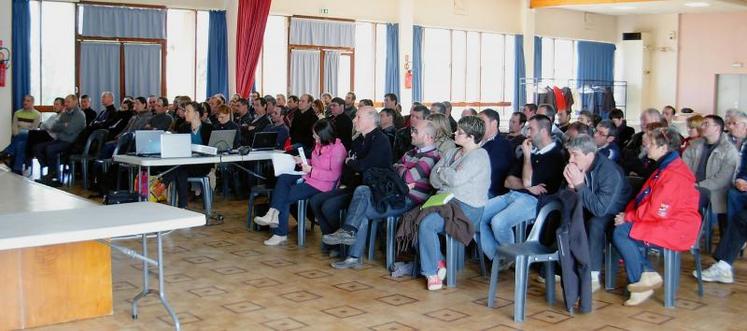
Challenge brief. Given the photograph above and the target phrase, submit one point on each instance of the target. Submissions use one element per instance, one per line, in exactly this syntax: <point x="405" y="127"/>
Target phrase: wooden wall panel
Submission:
<point x="10" y="303"/>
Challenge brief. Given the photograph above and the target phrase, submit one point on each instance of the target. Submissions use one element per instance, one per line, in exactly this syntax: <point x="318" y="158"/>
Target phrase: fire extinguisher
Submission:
<point x="4" y="61"/>
<point x="408" y="79"/>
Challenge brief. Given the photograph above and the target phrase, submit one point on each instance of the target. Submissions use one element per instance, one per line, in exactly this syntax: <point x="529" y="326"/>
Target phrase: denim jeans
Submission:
<point x="287" y="192"/>
<point x="361" y="211"/>
<point x="17" y="149"/>
<point x="731" y="242"/>
<point x="429" y="245"/>
<point x="736" y="202"/>
<point x="506" y="211"/>
<point x="632" y="251"/>
<point x="48" y="155"/>
<point x="596" y="229"/>
<point x="327" y="207"/>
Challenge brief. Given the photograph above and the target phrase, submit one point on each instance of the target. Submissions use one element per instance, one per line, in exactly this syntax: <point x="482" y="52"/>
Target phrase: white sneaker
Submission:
<point x="636" y="298"/>
<point x="271" y="218"/>
<point x="717" y="274"/>
<point x="276" y="240"/>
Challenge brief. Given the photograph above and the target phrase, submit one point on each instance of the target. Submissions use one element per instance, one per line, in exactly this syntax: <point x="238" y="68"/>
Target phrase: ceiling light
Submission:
<point x="697" y="4"/>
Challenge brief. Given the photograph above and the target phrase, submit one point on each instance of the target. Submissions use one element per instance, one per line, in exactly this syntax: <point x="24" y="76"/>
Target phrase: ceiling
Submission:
<point x="661" y="7"/>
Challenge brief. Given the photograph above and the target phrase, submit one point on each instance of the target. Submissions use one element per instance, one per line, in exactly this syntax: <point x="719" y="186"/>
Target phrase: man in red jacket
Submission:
<point x="663" y="214"/>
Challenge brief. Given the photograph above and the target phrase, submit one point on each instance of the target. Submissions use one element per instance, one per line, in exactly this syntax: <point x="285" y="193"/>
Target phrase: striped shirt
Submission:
<point x="415" y="167"/>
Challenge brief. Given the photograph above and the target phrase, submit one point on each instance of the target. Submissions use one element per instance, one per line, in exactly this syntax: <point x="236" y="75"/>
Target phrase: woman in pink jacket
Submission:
<point x="320" y="175"/>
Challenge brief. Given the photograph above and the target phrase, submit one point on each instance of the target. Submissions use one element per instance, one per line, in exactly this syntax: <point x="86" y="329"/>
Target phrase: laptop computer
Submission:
<point x="222" y="140"/>
<point x="148" y="142"/>
<point x="264" y="141"/>
<point x="176" y="145"/>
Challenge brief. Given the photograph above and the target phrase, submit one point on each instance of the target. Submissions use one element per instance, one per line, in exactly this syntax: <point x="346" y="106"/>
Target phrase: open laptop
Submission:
<point x="176" y="145"/>
<point x="222" y="140"/>
<point x="264" y="141"/>
<point x="148" y="142"/>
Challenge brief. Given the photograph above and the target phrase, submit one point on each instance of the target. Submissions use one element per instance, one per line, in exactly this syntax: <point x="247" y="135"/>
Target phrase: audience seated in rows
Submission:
<point x="444" y="143"/>
<point x="69" y="123"/>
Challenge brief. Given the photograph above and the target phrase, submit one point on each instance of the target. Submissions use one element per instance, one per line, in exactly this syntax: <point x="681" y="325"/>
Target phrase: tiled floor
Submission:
<point x="223" y="278"/>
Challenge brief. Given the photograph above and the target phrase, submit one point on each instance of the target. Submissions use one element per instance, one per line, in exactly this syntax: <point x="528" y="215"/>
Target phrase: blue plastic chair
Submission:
<point x="524" y="254"/>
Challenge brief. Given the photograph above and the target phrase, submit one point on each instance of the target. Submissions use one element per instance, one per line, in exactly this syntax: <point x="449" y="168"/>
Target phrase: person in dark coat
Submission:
<point x="341" y="122"/>
<point x="603" y="190"/>
<point x="303" y="120"/>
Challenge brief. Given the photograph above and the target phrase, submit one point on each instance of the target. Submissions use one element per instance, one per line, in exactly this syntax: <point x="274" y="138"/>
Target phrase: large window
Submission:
<point x="53" y="65"/>
<point x="186" y="54"/>
<point x="470" y="69"/>
<point x="271" y="75"/>
<point x="370" y="61"/>
<point x="559" y="60"/>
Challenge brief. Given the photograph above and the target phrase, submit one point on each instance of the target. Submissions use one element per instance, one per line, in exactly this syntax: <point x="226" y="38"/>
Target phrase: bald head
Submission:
<point x="366" y="119"/>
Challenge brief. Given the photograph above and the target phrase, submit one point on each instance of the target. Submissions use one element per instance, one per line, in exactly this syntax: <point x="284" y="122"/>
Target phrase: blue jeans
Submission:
<point x="504" y="212"/>
<point x="360" y="211"/>
<point x="737" y="200"/>
<point x="632" y="251"/>
<point x="287" y="192"/>
<point x="17" y="149"/>
<point x="429" y="245"/>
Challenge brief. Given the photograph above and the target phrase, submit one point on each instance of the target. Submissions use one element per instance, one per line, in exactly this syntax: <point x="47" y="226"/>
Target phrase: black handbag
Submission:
<point x="117" y="197"/>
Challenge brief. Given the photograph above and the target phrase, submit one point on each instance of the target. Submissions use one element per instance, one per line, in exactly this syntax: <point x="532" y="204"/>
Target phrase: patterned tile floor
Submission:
<point x="223" y="278"/>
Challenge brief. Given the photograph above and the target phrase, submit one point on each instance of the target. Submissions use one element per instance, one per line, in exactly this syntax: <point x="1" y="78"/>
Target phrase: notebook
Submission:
<point x="437" y="200"/>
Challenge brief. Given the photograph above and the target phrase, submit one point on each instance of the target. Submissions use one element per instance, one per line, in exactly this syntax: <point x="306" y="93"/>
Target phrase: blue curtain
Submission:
<point x="520" y="91"/>
<point x="538" y="57"/>
<point x="417" y="63"/>
<point x="106" y="21"/>
<point x="596" y="61"/>
<point x="143" y="69"/>
<point x="99" y="71"/>
<point x="21" y="44"/>
<point x="217" y="57"/>
<point x="392" y="59"/>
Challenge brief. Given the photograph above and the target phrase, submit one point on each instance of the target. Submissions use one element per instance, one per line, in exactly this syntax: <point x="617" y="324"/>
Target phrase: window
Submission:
<point x="52" y="66"/>
<point x="436" y="65"/>
<point x="471" y="69"/>
<point x="271" y="75"/>
<point x="559" y="60"/>
<point x="370" y="61"/>
<point x="186" y="55"/>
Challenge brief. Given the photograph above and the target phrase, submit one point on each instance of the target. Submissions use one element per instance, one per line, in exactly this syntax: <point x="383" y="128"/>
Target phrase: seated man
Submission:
<point x="414" y="168"/>
<point x="549" y="111"/>
<point x="624" y="132"/>
<point x="69" y="124"/>
<point x="261" y="120"/>
<point x="278" y="125"/>
<point x="603" y="190"/>
<point x="85" y="106"/>
<point x="341" y="122"/>
<point x="24" y="120"/>
<point x="604" y="137"/>
<point x="634" y="160"/>
<point x="713" y="161"/>
<point x="515" y="128"/>
<point x="161" y="120"/>
<point x="499" y="150"/>
<point x="387" y="124"/>
<point x="539" y="171"/>
<point x="402" y="142"/>
<point x="370" y="150"/>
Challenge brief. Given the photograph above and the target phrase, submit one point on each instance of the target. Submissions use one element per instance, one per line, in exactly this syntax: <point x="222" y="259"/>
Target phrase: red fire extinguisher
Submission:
<point x="408" y="79"/>
<point x="4" y="60"/>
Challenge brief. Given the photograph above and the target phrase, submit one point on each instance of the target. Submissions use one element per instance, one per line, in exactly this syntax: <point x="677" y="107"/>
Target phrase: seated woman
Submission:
<point x="321" y="175"/>
<point x="444" y="143"/>
<point x="465" y="173"/>
<point x="693" y="130"/>
<point x="200" y="132"/>
<point x="225" y="123"/>
<point x="664" y="214"/>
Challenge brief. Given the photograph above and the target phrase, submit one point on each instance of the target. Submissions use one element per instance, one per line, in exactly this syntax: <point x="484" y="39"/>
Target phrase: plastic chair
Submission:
<point x="207" y="193"/>
<point x="525" y="254"/>
<point x="391" y="229"/>
<point x="90" y="153"/>
<point x="256" y="191"/>
<point x="302" y="222"/>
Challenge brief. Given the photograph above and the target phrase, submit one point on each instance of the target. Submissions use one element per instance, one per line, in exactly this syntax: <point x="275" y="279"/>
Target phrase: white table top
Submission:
<point x="150" y="161"/>
<point x="19" y="194"/>
<point x="33" y="229"/>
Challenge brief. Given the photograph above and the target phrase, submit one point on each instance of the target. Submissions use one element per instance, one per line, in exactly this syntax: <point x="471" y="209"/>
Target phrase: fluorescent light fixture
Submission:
<point x="697" y="4"/>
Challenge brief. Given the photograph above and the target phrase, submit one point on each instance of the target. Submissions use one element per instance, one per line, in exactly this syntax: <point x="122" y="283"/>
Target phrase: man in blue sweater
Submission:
<point x="499" y="150"/>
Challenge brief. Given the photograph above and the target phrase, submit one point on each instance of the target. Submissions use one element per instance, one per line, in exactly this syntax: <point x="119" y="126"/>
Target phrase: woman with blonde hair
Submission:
<point x="693" y="130"/>
<point x="444" y="143"/>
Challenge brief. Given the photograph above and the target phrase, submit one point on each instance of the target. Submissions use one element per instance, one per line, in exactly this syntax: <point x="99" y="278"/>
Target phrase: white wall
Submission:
<point x="571" y="24"/>
<point x="500" y="16"/>
<point x="662" y="78"/>
<point x="6" y="97"/>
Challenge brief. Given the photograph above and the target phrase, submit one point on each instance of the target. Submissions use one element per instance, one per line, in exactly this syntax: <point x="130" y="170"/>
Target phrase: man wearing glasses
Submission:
<point x="713" y="160"/>
<point x="604" y="137"/>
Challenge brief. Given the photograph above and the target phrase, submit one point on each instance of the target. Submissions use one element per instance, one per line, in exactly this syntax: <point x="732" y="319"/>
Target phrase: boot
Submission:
<point x="637" y="298"/>
<point x="269" y="219"/>
<point x="649" y="281"/>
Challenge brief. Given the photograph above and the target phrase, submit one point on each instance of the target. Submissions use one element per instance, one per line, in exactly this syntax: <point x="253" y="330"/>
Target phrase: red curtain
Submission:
<point x="250" y="32"/>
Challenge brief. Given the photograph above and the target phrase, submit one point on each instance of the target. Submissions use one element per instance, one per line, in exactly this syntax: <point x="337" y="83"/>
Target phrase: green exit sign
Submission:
<point x="324" y="11"/>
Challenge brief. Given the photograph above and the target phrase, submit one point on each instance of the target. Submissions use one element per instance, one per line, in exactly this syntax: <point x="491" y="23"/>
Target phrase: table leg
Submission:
<point x="161" y="288"/>
<point x="146" y="278"/>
